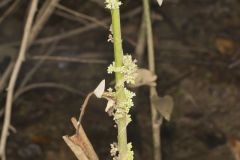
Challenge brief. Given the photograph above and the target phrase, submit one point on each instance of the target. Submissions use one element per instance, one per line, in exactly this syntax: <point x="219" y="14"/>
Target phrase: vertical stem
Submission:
<point x="118" y="55"/>
<point x="14" y="76"/>
<point x="156" y="122"/>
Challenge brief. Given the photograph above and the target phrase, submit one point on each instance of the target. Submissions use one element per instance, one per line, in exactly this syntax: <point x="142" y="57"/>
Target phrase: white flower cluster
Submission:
<point x="129" y="69"/>
<point x="128" y="103"/>
<point x="113" y="4"/>
<point x="120" y="101"/>
<point x="130" y="151"/>
<point x="119" y="108"/>
<point x="114" y="151"/>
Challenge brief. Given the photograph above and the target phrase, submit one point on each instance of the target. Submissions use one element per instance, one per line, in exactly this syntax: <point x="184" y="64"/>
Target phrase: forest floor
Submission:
<point x="197" y="46"/>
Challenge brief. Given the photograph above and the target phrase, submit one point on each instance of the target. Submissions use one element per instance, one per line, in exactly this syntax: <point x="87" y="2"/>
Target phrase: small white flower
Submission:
<point x="129" y="69"/>
<point x="110" y="38"/>
<point x="113" y="4"/>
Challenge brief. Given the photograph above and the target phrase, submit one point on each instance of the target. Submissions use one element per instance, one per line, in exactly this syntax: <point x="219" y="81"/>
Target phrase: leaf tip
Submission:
<point x="100" y="89"/>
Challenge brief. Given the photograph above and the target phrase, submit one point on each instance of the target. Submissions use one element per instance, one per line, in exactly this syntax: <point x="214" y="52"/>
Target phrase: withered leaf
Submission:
<point x="235" y="147"/>
<point x="160" y="2"/>
<point x="225" y="46"/>
<point x="100" y="89"/>
<point x="145" y="77"/>
<point x="77" y="150"/>
<point x="164" y="105"/>
<point x="80" y="144"/>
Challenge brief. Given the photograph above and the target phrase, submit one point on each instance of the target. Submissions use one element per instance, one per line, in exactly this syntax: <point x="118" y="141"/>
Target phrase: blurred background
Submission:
<point x="197" y="49"/>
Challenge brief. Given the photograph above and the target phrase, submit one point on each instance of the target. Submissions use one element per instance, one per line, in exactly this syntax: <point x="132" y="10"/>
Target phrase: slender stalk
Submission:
<point x="156" y="122"/>
<point x="118" y="56"/>
<point x="118" y="53"/>
<point x="14" y="76"/>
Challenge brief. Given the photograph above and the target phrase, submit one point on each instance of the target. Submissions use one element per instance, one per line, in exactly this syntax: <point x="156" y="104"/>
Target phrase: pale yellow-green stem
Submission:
<point x="118" y="55"/>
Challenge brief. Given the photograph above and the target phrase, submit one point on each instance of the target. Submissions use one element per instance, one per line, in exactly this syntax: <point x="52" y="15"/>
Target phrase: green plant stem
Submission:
<point x="118" y="55"/>
<point x="156" y="121"/>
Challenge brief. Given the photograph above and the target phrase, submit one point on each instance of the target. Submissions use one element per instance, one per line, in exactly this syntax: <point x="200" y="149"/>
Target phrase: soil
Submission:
<point x="197" y="45"/>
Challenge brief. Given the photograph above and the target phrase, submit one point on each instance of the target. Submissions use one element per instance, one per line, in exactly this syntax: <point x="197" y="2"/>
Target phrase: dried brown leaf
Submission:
<point x="145" y="77"/>
<point x="235" y="147"/>
<point x="80" y="144"/>
<point x="225" y="46"/>
<point x="164" y="105"/>
<point x="77" y="150"/>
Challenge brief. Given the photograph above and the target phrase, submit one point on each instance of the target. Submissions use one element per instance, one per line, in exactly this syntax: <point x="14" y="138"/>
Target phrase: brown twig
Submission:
<point x="20" y="59"/>
<point x="69" y="34"/>
<point x="69" y="59"/>
<point x="82" y="110"/>
<point x="67" y="16"/>
<point x="4" y="2"/>
<point x="77" y="31"/>
<point x="42" y="17"/>
<point x="156" y="118"/>
<point x="33" y="86"/>
<point x="91" y="19"/>
<point x="141" y="43"/>
<point x="99" y="3"/>
<point x="45" y="85"/>
<point x="9" y="10"/>
<point x="36" y="66"/>
<point x="81" y="15"/>
<point x="5" y="76"/>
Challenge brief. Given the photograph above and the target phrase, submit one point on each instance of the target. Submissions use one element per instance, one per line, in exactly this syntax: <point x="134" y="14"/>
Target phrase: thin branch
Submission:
<point x="9" y="10"/>
<point x="20" y="59"/>
<point x="81" y="15"/>
<point x="5" y="76"/>
<point x="36" y="66"/>
<point x="4" y="2"/>
<point x="91" y="19"/>
<point x="156" y="118"/>
<point x="77" y="31"/>
<point x="70" y="17"/>
<point x="82" y="110"/>
<point x="141" y="43"/>
<point x="45" y="85"/>
<point x="44" y="14"/>
<point x="33" y="86"/>
<point x="99" y="3"/>
<point x="69" y="59"/>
